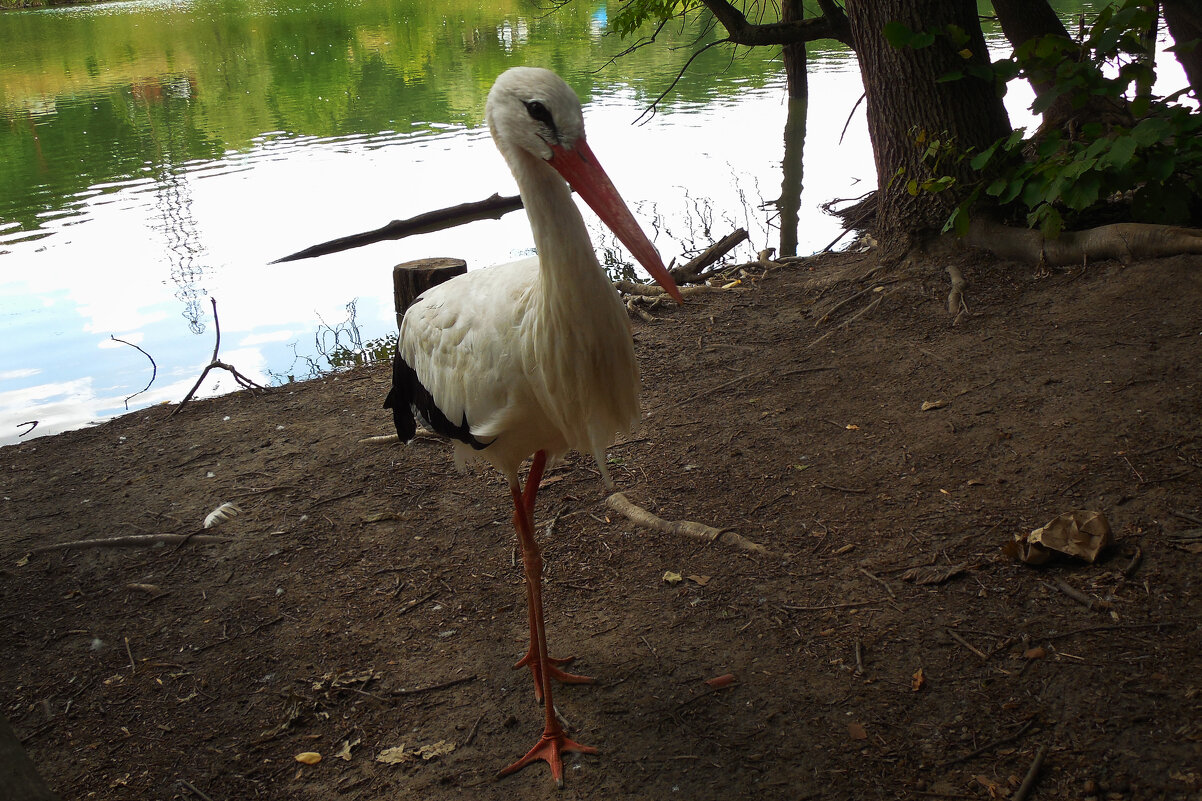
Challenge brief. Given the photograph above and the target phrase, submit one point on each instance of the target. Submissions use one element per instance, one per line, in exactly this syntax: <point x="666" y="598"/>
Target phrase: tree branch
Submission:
<point x="831" y="25"/>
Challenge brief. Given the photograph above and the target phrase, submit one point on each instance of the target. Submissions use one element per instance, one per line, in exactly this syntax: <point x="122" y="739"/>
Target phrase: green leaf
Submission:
<point x="1120" y="153"/>
<point x="937" y="185"/>
<point x="1050" y="221"/>
<point x="948" y="77"/>
<point x="994" y="189"/>
<point x="1012" y="191"/>
<point x="922" y="39"/>
<point x="912" y="187"/>
<point x="1149" y="131"/>
<point x="1082" y="194"/>
<point x="1160" y="166"/>
<point x="981" y="159"/>
<point x="898" y="34"/>
<point x="957" y="35"/>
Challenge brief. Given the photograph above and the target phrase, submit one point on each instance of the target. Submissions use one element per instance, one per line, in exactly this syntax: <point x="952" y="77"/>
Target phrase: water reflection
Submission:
<point x="792" y="170"/>
<point x="159" y="157"/>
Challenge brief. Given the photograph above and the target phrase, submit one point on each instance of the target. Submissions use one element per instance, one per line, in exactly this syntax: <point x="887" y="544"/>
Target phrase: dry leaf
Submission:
<point x="918" y="680"/>
<point x="221" y="514"/>
<point x="856" y="731"/>
<point x="672" y="578"/>
<point x="308" y="757"/>
<point x="852" y="427"/>
<point x="394" y="756"/>
<point x="1035" y="653"/>
<point x="24" y="560"/>
<point x="1078" y="533"/>
<point x="440" y="748"/>
<point x="718" y="682"/>
<point x="700" y="580"/>
<point x="928" y="405"/>
<point x="995" y="790"/>
<point x="345" y="751"/>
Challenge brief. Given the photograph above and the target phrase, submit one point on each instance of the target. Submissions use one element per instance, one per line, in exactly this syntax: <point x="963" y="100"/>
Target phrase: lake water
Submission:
<point x="156" y="155"/>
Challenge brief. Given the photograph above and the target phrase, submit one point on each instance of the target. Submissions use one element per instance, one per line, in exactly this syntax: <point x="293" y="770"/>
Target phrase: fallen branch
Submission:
<point x="699" y="531"/>
<point x="491" y="208"/>
<point x="132" y="541"/>
<point x="690" y="272"/>
<point x="245" y="382"/>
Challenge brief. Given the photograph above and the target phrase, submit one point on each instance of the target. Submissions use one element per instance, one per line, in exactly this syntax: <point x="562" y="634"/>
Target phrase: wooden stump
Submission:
<point x="412" y="278"/>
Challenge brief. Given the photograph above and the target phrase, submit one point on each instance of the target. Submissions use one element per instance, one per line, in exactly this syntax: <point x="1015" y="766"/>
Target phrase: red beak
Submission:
<point x="583" y="172"/>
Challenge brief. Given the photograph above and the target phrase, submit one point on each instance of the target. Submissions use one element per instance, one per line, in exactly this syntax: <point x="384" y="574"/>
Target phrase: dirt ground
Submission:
<point x="368" y="597"/>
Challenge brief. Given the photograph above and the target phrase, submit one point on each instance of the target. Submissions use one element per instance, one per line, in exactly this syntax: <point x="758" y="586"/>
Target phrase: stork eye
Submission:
<point x="539" y="112"/>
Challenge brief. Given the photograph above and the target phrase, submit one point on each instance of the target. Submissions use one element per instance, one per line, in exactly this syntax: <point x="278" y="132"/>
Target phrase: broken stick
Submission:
<point x="216" y="363"/>
<point x="699" y="531"/>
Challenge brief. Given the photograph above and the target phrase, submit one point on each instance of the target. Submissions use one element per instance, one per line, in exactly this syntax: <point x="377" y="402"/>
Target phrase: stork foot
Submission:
<point x="530" y="660"/>
<point x="550" y="748"/>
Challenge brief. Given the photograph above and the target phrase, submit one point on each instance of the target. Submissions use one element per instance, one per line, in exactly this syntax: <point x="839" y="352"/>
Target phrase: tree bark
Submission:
<point x="1184" y="20"/>
<point x="794" y="53"/>
<point x="906" y="103"/>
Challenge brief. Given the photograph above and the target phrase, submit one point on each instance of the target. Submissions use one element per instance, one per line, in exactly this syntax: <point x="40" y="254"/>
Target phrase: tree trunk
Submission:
<point x="907" y="105"/>
<point x="1024" y="20"/>
<point x="789" y="203"/>
<point x="1184" y="20"/>
<point x="794" y="54"/>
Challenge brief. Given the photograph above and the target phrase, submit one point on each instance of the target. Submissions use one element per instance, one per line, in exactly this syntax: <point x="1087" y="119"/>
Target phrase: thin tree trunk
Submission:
<point x="1024" y="20"/>
<point x="795" y="53"/>
<point x="789" y="204"/>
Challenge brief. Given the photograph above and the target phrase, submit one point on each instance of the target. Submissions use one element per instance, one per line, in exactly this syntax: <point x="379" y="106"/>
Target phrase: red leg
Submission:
<point x="554" y="741"/>
<point x="531" y="659"/>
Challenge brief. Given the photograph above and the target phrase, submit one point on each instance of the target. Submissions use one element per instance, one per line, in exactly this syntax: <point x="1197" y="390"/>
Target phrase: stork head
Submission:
<point x="535" y="110"/>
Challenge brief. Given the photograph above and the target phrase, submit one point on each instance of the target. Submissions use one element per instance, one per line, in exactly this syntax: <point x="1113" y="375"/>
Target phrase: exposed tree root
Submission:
<point x="1125" y="242"/>
<point x="698" y="531"/>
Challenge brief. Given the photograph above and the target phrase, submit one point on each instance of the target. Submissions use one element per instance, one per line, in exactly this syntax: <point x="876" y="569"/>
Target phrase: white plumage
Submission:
<point x="534" y="357"/>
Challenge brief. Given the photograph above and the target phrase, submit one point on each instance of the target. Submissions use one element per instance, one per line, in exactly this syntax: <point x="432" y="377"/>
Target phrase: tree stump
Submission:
<point x="411" y="278"/>
<point x="19" y="780"/>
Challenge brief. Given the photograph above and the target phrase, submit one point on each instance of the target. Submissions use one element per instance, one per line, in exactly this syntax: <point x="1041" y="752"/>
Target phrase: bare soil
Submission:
<point x="368" y="596"/>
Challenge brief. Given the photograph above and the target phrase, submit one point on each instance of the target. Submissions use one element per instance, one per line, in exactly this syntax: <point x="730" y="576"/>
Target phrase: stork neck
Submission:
<point x="566" y="256"/>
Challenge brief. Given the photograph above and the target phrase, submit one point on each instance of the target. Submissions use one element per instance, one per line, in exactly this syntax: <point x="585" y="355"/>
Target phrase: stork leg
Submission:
<point x="531" y="659"/>
<point x="554" y="741"/>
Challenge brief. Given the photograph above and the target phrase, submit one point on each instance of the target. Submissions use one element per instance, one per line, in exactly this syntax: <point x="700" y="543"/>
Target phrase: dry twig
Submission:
<point x="131" y="541"/>
<point x="1078" y="596"/>
<point x="1024" y="789"/>
<point x="242" y="380"/>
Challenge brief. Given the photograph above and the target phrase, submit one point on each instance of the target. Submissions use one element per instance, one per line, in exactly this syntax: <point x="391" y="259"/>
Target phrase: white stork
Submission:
<point x="533" y="357"/>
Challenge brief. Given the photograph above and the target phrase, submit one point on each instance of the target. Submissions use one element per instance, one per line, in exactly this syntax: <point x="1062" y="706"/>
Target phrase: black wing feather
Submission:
<point x="411" y="401"/>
